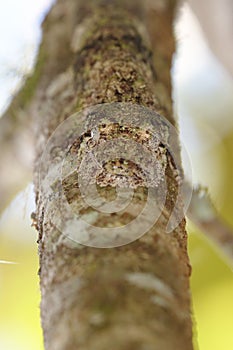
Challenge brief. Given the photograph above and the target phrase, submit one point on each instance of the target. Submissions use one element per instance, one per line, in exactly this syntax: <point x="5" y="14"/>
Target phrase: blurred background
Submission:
<point x="203" y="98"/>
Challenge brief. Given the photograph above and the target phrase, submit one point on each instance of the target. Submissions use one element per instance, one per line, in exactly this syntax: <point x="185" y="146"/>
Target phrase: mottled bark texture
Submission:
<point x="135" y="296"/>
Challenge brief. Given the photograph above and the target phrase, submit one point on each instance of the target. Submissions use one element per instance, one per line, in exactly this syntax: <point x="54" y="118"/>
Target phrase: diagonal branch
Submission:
<point x="204" y="215"/>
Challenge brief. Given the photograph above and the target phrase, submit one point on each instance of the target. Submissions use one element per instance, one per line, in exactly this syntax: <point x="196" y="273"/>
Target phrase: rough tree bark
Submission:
<point x="135" y="296"/>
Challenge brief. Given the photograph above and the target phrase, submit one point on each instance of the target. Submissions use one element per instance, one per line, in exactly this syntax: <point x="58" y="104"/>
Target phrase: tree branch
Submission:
<point x="137" y="295"/>
<point x="204" y="215"/>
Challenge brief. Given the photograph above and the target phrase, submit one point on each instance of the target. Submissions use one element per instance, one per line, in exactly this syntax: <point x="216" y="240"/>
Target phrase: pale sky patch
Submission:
<point x="20" y="35"/>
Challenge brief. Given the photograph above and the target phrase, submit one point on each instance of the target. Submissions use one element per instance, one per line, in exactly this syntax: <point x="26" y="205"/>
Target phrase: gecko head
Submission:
<point x="108" y="186"/>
